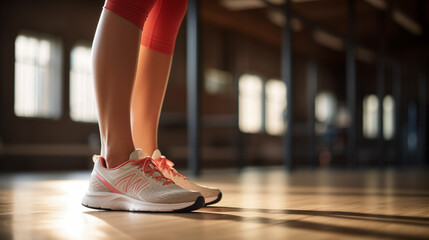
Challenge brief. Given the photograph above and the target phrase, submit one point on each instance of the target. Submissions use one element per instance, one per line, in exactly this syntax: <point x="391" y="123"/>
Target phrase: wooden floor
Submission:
<point x="258" y="204"/>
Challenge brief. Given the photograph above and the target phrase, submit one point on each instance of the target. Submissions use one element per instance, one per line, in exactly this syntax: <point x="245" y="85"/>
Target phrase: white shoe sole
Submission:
<point x="213" y="200"/>
<point x="115" y="201"/>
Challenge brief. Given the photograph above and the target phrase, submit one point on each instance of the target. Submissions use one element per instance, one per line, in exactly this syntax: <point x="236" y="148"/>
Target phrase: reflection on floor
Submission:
<point x="259" y="203"/>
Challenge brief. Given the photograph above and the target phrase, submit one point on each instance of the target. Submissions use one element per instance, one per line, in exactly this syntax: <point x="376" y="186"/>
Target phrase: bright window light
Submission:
<point x="37" y="76"/>
<point x="275" y="106"/>
<point x="325" y="107"/>
<point x="82" y="99"/>
<point x="388" y="117"/>
<point x="250" y="103"/>
<point x="370" y="116"/>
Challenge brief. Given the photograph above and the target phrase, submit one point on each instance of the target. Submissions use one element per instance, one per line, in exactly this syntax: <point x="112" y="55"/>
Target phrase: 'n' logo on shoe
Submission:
<point x="133" y="185"/>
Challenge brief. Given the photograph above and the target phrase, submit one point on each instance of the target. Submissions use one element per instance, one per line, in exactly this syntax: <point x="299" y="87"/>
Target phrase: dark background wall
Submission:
<point x="237" y="42"/>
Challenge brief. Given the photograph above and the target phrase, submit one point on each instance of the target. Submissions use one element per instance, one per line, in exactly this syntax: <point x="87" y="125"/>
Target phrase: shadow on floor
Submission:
<point x="379" y="194"/>
<point x="233" y="214"/>
<point x="423" y="221"/>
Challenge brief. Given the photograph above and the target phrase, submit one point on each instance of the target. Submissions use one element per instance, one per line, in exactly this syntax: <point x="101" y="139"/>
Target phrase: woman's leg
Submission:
<point x="114" y="55"/>
<point x="156" y="52"/>
<point x="148" y="95"/>
<point x="153" y="69"/>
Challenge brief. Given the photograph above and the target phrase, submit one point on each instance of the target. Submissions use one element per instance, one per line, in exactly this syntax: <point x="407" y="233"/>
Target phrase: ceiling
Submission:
<point x="380" y="24"/>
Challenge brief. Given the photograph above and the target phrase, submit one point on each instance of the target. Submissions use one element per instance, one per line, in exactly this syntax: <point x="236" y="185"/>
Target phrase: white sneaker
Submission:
<point x="137" y="185"/>
<point x="211" y="195"/>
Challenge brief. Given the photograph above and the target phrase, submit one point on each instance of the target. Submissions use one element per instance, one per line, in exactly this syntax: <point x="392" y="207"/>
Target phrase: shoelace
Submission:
<point x="164" y="163"/>
<point x="144" y="165"/>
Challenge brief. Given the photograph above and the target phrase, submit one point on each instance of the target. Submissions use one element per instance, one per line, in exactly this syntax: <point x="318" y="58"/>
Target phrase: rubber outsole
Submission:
<point x="199" y="203"/>
<point x="219" y="197"/>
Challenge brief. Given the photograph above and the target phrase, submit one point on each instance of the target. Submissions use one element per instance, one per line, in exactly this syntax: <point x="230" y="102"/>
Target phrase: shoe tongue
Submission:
<point x="137" y="154"/>
<point x="156" y="154"/>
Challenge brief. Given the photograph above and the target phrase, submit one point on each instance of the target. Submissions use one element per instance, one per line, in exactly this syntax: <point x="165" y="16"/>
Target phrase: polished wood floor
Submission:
<point x="259" y="203"/>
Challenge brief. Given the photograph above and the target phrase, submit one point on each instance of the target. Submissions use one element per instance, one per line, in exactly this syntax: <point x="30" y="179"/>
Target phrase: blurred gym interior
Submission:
<point x="310" y="115"/>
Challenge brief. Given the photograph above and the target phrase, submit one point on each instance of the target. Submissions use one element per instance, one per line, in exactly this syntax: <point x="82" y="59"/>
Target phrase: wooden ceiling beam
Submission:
<point x="261" y="29"/>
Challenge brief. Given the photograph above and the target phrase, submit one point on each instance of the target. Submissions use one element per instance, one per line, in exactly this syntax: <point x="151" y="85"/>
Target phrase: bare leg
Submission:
<point x="114" y="55"/>
<point x="148" y="94"/>
<point x="158" y="40"/>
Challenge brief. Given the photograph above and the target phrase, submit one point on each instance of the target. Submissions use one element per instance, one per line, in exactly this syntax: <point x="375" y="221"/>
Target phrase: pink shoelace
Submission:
<point x="144" y="165"/>
<point x="164" y="163"/>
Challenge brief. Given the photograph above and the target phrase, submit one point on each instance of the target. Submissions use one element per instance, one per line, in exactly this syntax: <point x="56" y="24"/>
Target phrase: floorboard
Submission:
<point x="258" y="203"/>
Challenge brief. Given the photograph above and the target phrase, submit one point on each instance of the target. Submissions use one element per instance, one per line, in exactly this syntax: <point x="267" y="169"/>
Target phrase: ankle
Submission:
<point x="116" y="158"/>
<point x="148" y="149"/>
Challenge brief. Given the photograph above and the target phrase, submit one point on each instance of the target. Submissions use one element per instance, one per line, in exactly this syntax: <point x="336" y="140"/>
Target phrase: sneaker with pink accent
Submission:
<point x="137" y="185"/>
<point x="211" y="195"/>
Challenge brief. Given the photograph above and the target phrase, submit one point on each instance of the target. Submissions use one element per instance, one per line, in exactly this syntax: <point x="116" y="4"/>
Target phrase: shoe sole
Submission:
<point x="120" y="202"/>
<point x="216" y="199"/>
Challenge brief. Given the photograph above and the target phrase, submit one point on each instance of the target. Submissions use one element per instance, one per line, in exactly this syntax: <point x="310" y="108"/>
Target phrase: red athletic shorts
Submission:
<point x="159" y="19"/>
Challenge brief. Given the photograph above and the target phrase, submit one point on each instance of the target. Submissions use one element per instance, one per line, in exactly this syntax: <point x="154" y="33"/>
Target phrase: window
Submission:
<point x="325" y="107"/>
<point x="250" y="103"/>
<point x="370" y="117"/>
<point x="261" y="106"/>
<point x="37" y="76"/>
<point x="275" y="106"/>
<point x="388" y="117"/>
<point x="82" y="98"/>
